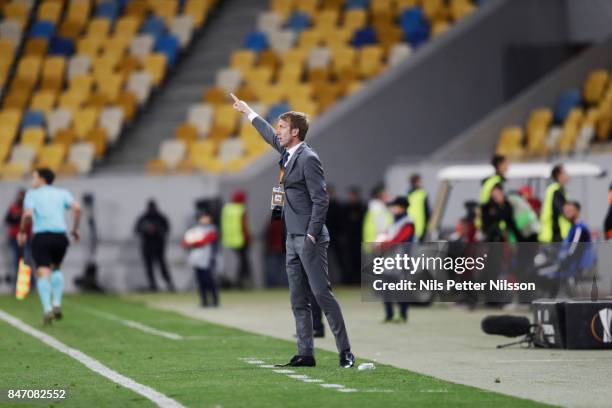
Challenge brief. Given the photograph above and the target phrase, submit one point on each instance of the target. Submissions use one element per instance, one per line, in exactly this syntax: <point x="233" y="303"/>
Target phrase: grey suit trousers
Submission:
<point x="307" y="271"/>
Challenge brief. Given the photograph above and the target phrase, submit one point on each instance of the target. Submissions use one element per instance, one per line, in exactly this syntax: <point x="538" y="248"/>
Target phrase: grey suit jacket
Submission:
<point x="306" y="198"/>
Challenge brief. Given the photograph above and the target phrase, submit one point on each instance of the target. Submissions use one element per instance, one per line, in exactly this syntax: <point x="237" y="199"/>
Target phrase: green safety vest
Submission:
<point x="370" y="233"/>
<point x="231" y="225"/>
<point x="546" y="217"/>
<point x="487" y="186"/>
<point x="416" y="210"/>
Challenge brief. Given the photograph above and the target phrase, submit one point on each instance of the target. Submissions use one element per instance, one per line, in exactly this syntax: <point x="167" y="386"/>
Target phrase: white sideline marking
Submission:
<point x="134" y="325"/>
<point x="580" y="360"/>
<point x="149" y="393"/>
<point x="300" y="377"/>
<point x="332" y="386"/>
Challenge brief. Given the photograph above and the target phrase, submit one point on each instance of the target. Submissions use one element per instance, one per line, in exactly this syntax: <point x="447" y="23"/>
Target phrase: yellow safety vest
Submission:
<point x="416" y="210"/>
<point x="370" y="232"/>
<point x="231" y="225"/>
<point x="546" y="217"/>
<point x="487" y="186"/>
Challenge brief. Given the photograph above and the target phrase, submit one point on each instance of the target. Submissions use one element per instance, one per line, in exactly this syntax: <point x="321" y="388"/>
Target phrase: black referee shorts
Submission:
<point x="49" y="249"/>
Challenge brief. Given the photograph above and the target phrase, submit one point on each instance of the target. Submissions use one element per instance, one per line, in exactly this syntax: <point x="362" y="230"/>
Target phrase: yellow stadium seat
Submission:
<point x="70" y="29"/>
<point x="82" y="83"/>
<point x="128" y="102"/>
<point x="310" y="38"/>
<point x="17" y="98"/>
<point x="34" y="137"/>
<point x="72" y="99"/>
<point x="78" y="13"/>
<point x="389" y="36"/>
<point x="370" y="60"/>
<point x="29" y="68"/>
<point x="337" y="37"/>
<point x="595" y="86"/>
<point x="116" y="44"/>
<point x="294" y="56"/>
<point x="165" y="9"/>
<point x="65" y="137"/>
<point x="273" y="94"/>
<point x="402" y="5"/>
<point x="343" y="59"/>
<point x="7" y="50"/>
<point x="186" y="132"/>
<point x="98" y="28"/>
<point x="307" y="6"/>
<point x="52" y="156"/>
<point x="16" y="11"/>
<point x="127" y="27"/>
<point x="226" y="118"/>
<point x="50" y="11"/>
<point x="13" y="171"/>
<point x="268" y="59"/>
<point x="259" y="76"/>
<point x="89" y="46"/>
<point x="36" y="46"/>
<point x="355" y="19"/>
<point x="198" y="10"/>
<point x="243" y="60"/>
<point x="439" y="27"/>
<point x="137" y="8"/>
<point x="200" y="152"/>
<point x="283" y="7"/>
<point x="8" y="133"/>
<point x="510" y="142"/>
<point x="290" y="75"/>
<point x="53" y="72"/>
<point x="155" y="65"/>
<point x="99" y="139"/>
<point x="307" y="106"/>
<point x="5" y="148"/>
<point x="10" y="117"/>
<point x="326" y="18"/>
<point x="461" y="8"/>
<point x="110" y="85"/>
<point x="84" y="121"/>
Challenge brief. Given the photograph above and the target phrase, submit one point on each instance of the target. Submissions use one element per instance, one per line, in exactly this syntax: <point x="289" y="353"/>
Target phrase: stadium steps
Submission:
<point x="211" y="51"/>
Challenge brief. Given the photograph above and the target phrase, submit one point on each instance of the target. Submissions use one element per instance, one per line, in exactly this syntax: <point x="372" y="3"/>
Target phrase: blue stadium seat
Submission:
<point x="256" y="41"/>
<point x="61" y="46"/>
<point x="153" y="26"/>
<point x="567" y="101"/>
<point x="298" y="21"/>
<point x="42" y="29"/>
<point x="351" y="4"/>
<point x="169" y="45"/>
<point x="109" y="9"/>
<point x="277" y="110"/>
<point x="415" y="26"/>
<point x="33" y="118"/>
<point x="364" y="36"/>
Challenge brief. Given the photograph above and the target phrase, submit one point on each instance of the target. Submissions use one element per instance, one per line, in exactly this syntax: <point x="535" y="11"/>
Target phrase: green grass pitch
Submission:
<point x="205" y="369"/>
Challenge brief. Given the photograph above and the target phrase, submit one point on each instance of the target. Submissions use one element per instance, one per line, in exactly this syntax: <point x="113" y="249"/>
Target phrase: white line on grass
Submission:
<point x="134" y="325"/>
<point x="301" y="377"/>
<point x="149" y="393"/>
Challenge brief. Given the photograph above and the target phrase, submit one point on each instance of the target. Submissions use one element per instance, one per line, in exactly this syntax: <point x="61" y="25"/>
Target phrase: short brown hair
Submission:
<point x="297" y="120"/>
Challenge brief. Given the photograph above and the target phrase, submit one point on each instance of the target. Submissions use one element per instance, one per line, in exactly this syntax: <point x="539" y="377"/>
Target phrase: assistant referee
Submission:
<point x="44" y="207"/>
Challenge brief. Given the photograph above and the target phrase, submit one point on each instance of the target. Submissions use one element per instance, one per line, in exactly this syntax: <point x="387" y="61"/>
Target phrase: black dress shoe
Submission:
<point x="299" y="361"/>
<point x="347" y="359"/>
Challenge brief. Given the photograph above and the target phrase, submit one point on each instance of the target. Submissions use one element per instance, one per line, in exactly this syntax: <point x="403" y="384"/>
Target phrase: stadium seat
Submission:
<point x="567" y="101"/>
<point x="50" y="11"/>
<point x="243" y="60"/>
<point x="298" y="21"/>
<point x="84" y="121"/>
<point x="370" y="60"/>
<point x="24" y="155"/>
<point x="595" y="86"/>
<point x="172" y="152"/>
<point x="78" y="65"/>
<point x="198" y="10"/>
<point x="43" y="101"/>
<point x="182" y="28"/>
<point x="398" y="53"/>
<point x="140" y="84"/>
<point x="256" y="41"/>
<point x="11" y="30"/>
<point x="155" y="65"/>
<point x="319" y="57"/>
<point x="18" y="12"/>
<point x="42" y="29"/>
<point x="153" y="26"/>
<point x="62" y="46"/>
<point x="281" y="41"/>
<point x="228" y="79"/>
<point x="33" y="118"/>
<point x="52" y="156"/>
<point x="82" y="155"/>
<point x="98" y="28"/>
<point x="111" y="120"/>
<point x="107" y="9"/>
<point x="36" y="46"/>
<point x="33" y="137"/>
<point x="58" y="119"/>
<point x="201" y="116"/>
<point x="269" y="22"/>
<point x="141" y="46"/>
<point x="364" y="36"/>
<point x="168" y="45"/>
<point x="415" y="26"/>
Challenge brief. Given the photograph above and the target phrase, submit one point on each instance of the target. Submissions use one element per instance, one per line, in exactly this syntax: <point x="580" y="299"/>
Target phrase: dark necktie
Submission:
<point x="282" y="163"/>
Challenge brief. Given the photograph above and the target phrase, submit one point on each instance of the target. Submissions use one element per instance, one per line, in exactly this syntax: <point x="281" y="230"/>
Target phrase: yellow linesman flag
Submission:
<point x="23" y="280"/>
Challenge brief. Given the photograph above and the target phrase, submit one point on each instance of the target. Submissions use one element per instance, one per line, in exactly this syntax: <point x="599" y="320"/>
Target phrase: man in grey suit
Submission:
<point x="304" y="200"/>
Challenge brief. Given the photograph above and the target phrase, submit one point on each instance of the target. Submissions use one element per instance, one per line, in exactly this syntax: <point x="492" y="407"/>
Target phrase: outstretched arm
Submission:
<point x="264" y="128"/>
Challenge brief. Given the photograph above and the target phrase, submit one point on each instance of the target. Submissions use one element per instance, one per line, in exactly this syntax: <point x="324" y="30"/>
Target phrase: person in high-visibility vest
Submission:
<point x="418" y="206"/>
<point x="500" y="163"/>
<point x="235" y="234"/>
<point x="554" y="225"/>
<point x="377" y="219"/>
